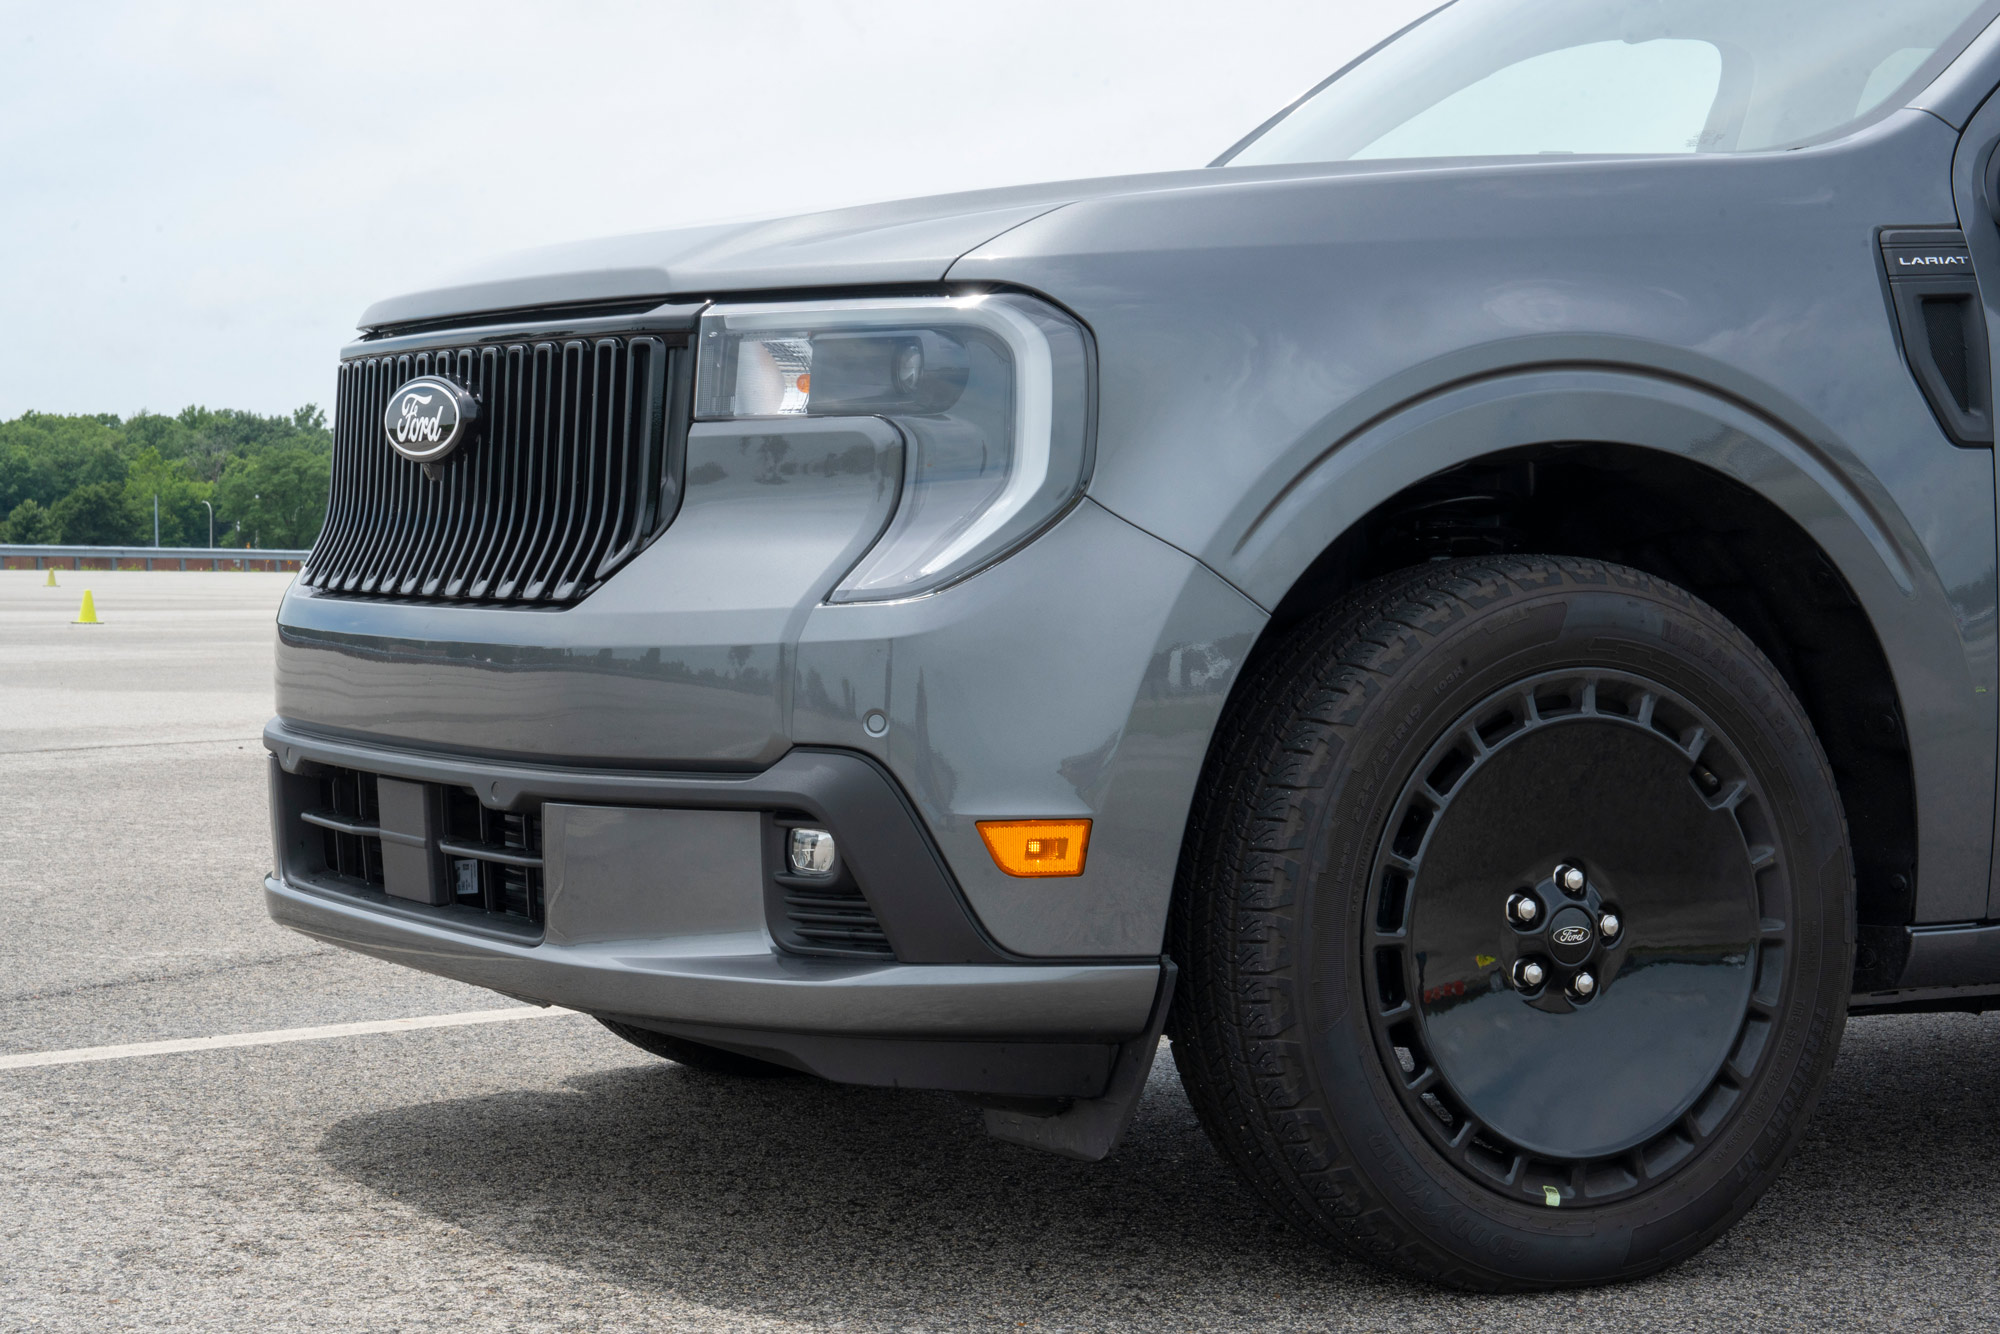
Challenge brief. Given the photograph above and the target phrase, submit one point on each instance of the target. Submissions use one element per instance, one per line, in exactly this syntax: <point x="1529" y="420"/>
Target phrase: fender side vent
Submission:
<point x="1942" y="317"/>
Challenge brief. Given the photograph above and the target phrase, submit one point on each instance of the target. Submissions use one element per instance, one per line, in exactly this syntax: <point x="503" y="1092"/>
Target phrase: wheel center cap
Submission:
<point x="1572" y="937"/>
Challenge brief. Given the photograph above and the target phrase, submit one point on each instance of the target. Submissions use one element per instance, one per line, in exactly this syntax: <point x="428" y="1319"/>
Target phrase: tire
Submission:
<point x="1356" y="1021"/>
<point x="696" y="1055"/>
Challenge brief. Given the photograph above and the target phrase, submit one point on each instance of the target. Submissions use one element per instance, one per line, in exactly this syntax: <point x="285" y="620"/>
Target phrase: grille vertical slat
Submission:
<point x="343" y="531"/>
<point x="589" y="384"/>
<point x="538" y="458"/>
<point x="560" y="425"/>
<point x="420" y="531"/>
<point x="356" y="469"/>
<point x="394" y="526"/>
<point x="450" y="497"/>
<point x="402" y="505"/>
<point x="586" y="520"/>
<point x="617" y="461"/>
<point x="351" y="489"/>
<point x="478" y="499"/>
<point x="355" y="563"/>
<point x="376" y="527"/>
<point x="558" y="488"/>
<point x="494" y="498"/>
<point x="589" y="518"/>
<point x="506" y="456"/>
<point x="380" y="479"/>
<point x="396" y="534"/>
<point x="640" y="421"/>
<point x="610" y="532"/>
<point x="466" y="509"/>
<point x="570" y="403"/>
<point x="343" y="489"/>
<point x="620" y="476"/>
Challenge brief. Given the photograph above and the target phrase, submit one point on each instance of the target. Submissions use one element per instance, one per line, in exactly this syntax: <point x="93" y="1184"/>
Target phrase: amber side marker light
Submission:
<point x="1037" y="847"/>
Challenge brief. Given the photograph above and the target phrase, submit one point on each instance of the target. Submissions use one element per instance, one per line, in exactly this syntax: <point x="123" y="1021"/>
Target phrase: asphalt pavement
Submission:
<point x="543" y="1175"/>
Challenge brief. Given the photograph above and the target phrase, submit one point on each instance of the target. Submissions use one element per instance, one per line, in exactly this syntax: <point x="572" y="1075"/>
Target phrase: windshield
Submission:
<point x="1484" y="78"/>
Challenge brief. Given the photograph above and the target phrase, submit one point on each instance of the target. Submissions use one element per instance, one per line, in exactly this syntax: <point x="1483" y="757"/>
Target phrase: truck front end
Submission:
<point x="757" y="673"/>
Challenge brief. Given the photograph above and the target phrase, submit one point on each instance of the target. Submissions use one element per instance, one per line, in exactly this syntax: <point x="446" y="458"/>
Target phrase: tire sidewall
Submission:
<point x="1643" y="627"/>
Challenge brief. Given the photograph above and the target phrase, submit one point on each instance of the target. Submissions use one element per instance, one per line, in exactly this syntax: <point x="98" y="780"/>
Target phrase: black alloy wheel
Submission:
<point x="1514" y="923"/>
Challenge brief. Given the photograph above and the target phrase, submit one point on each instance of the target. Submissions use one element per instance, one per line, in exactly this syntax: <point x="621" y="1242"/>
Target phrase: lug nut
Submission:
<point x="1522" y="908"/>
<point x="1583" y="984"/>
<point x="1528" y="974"/>
<point x="1570" y="879"/>
<point x="1607" y="925"/>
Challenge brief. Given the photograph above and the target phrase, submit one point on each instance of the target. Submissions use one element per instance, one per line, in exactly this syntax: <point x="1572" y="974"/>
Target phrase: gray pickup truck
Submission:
<point x="1475" y="615"/>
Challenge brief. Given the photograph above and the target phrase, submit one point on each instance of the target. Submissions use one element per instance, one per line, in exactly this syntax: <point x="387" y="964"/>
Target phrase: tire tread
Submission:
<point x="1236" y="1043"/>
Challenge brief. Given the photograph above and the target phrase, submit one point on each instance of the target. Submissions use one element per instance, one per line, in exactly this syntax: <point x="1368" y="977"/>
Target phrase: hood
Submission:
<point x="909" y="241"/>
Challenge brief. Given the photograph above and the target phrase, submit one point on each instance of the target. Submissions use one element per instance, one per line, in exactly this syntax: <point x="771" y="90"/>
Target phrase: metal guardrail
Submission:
<point x="214" y="557"/>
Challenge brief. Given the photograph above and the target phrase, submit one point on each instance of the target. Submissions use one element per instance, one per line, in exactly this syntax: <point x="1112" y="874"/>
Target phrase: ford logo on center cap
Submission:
<point x="1572" y="935"/>
<point x="429" y="417"/>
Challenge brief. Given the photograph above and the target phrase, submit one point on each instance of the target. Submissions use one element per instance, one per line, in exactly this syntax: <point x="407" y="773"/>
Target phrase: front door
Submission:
<point x="1972" y="319"/>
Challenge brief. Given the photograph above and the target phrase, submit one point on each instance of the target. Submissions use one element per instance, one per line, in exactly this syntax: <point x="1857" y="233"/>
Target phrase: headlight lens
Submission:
<point x="991" y="393"/>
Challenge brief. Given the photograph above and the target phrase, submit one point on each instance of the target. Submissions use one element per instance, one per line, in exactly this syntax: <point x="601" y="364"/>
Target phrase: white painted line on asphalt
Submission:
<point x="270" y="1036"/>
<point x="138" y="745"/>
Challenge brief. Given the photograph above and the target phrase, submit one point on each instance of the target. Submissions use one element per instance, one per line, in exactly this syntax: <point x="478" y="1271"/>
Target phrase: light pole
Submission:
<point x="211" y="526"/>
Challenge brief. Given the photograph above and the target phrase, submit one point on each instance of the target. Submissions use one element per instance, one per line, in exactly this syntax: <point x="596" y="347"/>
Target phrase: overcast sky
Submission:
<point x="197" y="200"/>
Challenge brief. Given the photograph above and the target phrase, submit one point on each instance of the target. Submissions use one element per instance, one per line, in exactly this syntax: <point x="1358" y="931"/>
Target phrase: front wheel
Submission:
<point x="1514" y="925"/>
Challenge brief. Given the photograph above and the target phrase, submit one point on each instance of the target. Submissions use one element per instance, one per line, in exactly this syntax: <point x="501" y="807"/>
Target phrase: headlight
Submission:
<point x="991" y="393"/>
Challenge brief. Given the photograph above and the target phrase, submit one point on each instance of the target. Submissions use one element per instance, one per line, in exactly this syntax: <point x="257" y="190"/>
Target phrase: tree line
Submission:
<point x="91" y="480"/>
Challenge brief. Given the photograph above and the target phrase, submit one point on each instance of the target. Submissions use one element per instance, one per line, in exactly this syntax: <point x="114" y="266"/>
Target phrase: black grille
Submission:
<point x="485" y="860"/>
<point x="493" y="859"/>
<point x="562" y="484"/>
<point x="836" y="917"/>
<point x="349" y="819"/>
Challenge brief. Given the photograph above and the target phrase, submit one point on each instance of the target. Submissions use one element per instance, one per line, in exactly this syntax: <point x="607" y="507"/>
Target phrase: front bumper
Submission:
<point x="1080" y="677"/>
<point x="738" y="982"/>
<point x="660" y="911"/>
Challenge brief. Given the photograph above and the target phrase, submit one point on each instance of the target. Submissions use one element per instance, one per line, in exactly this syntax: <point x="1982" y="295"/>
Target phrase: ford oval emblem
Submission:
<point x="1571" y="935"/>
<point x="429" y="417"/>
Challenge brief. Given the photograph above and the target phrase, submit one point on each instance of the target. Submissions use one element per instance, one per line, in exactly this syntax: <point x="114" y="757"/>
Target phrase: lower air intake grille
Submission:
<point x="562" y="484"/>
<point x="349" y="819"/>
<point x="424" y="843"/>
<point x="493" y="859"/>
<point x="835" y="919"/>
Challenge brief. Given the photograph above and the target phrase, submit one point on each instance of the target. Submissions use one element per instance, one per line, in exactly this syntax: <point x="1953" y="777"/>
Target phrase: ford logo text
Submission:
<point x="428" y="418"/>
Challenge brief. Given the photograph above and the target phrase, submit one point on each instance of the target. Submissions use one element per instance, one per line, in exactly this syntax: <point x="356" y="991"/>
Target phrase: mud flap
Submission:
<point x="1090" y="1128"/>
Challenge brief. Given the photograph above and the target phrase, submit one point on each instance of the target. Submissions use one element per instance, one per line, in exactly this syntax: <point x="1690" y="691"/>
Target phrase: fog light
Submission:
<point x="1037" y="847"/>
<point x="811" y="852"/>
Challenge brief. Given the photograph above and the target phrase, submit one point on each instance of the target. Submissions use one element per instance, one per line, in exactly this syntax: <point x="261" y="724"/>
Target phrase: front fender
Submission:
<point x="1943" y="677"/>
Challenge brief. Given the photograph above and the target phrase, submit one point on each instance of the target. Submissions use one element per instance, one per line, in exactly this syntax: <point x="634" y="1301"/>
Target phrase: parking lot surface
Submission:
<point x="542" y="1174"/>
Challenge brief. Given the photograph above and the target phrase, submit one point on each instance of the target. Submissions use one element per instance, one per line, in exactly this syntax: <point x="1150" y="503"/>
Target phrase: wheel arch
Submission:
<point x="1776" y="526"/>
